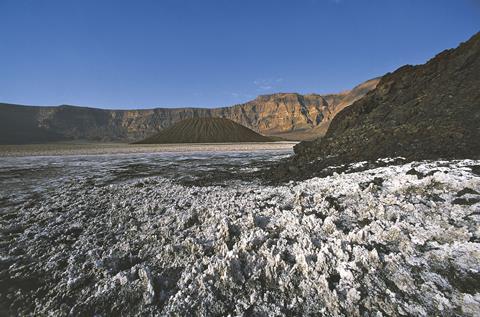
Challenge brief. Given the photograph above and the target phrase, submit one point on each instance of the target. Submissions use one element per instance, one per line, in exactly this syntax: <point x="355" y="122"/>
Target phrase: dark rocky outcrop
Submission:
<point x="428" y="111"/>
<point x="205" y="130"/>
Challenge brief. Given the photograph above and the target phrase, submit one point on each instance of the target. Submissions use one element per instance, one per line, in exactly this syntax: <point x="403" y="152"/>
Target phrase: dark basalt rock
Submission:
<point x="466" y="191"/>
<point x="419" y="175"/>
<point x="428" y="111"/>
<point x="475" y="169"/>
<point x="377" y="181"/>
<point x="465" y="201"/>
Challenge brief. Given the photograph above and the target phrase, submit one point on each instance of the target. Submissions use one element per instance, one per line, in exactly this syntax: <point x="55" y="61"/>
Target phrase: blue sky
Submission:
<point x="210" y="53"/>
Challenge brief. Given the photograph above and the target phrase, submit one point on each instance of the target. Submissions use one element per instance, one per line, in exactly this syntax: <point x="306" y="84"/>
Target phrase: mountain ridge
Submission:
<point x="289" y="115"/>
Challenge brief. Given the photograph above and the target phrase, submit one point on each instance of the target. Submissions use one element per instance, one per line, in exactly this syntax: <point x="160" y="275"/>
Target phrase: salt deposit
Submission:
<point x="391" y="241"/>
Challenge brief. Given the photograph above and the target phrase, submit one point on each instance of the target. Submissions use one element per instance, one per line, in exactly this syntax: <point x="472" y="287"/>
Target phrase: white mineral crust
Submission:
<point x="324" y="246"/>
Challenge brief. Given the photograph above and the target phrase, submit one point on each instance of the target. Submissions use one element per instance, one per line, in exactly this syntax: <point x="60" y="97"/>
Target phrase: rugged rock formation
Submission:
<point x="277" y="113"/>
<point x="341" y="101"/>
<point x="418" y="112"/>
<point x="205" y="130"/>
<point x="297" y="117"/>
<point x="286" y="114"/>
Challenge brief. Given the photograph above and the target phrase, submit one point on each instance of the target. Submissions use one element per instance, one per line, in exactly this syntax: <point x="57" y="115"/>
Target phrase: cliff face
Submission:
<point x="418" y="112"/>
<point x="289" y="115"/>
<point x="339" y="102"/>
<point x="277" y="113"/>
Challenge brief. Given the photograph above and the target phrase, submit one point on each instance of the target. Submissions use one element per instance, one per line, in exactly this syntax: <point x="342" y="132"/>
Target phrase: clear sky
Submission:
<point x="210" y="53"/>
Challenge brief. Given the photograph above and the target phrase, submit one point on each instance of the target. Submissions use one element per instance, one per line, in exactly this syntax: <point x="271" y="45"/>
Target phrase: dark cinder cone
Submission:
<point x="205" y="130"/>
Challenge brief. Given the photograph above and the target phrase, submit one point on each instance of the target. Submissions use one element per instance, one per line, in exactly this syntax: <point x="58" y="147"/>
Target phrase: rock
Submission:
<point x="467" y="190"/>
<point x="465" y="201"/>
<point x="410" y="114"/>
<point x="377" y="182"/>
<point x="471" y="304"/>
<point x="475" y="169"/>
<point x="419" y="175"/>
<point x="147" y="279"/>
<point x="293" y="169"/>
<point x="290" y="115"/>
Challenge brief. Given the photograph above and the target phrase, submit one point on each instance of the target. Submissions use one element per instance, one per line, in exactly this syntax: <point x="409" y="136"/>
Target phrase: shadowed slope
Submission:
<point x="336" y="103"/>
<point x="419" y="112"/>
<point x="206" y="130"/>
<point x="19" y="126"/>
<point x="429" y="111"/>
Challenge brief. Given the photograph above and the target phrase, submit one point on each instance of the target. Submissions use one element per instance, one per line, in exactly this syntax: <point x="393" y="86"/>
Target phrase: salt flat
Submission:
<point x="123" y="148"/>
<point x="107" y="235"/>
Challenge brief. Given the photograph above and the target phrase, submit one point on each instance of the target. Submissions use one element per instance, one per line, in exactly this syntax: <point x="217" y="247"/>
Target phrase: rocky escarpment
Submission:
<point x="205" y="130"/>
<point x="311" y="129"/>
<point x="338" y="102"/>
<point x="417" y="112"/>
<point x="286" y="114"/>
